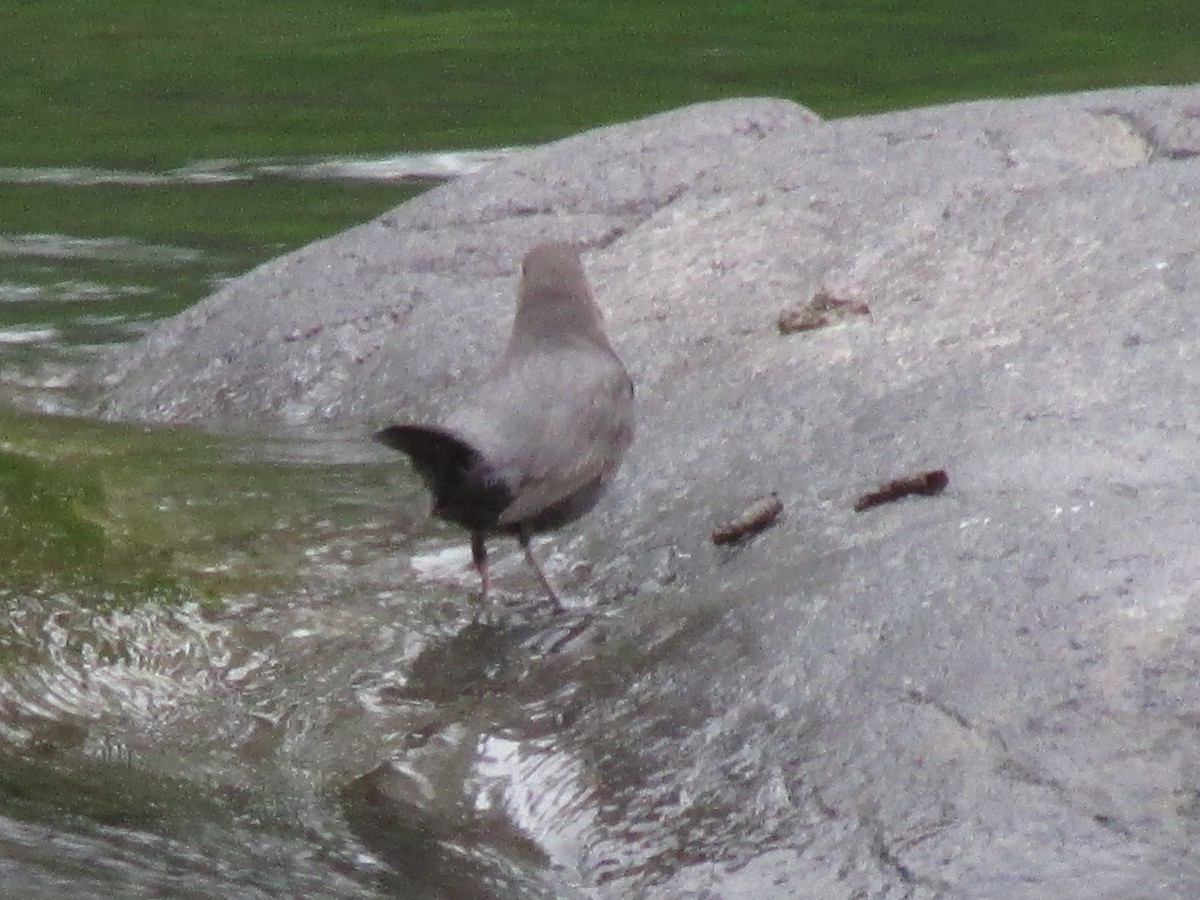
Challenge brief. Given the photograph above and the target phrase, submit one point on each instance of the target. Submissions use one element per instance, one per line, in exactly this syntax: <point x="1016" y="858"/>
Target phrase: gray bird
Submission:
<point x="538" y="441"/>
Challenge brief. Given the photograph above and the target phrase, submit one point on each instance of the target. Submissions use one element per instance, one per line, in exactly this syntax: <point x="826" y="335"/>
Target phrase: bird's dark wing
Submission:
<point x="465" y="488"/>
<point x="435" y="452"/>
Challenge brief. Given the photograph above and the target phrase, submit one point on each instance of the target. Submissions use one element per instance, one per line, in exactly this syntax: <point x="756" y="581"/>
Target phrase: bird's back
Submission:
<point x="566" y="422"/>
<point x="537" y="443"/>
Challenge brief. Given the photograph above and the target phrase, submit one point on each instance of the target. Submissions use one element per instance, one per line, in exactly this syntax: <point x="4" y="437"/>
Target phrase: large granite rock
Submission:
<point x="994" y="693"/>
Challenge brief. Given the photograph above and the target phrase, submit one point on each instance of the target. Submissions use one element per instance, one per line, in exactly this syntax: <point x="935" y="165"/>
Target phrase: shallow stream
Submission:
<point x="221" y="673"/>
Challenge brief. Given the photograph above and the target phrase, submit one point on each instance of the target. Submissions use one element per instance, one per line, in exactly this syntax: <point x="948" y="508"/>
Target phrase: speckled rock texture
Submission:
<point x="991" y="693"/>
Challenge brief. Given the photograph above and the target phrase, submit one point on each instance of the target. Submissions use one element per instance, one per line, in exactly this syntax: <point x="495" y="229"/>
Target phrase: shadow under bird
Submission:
<point x="540" y="438"/>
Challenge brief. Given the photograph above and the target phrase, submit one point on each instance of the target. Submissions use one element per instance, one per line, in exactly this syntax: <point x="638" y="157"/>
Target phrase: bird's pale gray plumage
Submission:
<point x="542" y="435"/>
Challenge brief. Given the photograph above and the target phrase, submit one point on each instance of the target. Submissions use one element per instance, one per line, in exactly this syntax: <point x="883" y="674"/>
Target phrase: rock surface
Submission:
<point x="993" y="693"/>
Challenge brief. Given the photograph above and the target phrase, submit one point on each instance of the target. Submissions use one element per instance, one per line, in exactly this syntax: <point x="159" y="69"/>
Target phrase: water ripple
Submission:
<point x="398" y="167"/>
<point x="62" y="247"/>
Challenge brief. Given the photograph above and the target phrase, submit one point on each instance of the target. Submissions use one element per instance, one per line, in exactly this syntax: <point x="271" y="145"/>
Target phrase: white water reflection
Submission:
<point x="68" y="291"/>
<point x="110" y="249"/>
<point x="398" y="167"/>
<point x="27" y="335"/>
<point x="543" y="790"/>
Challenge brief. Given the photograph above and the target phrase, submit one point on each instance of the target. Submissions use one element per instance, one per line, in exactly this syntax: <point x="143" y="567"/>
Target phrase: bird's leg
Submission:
<point x="479" y="559"/>
<point x="523" y="536"/>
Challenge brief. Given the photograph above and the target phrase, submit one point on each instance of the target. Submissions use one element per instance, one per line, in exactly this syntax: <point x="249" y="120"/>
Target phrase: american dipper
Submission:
<point x="540" y="438"/>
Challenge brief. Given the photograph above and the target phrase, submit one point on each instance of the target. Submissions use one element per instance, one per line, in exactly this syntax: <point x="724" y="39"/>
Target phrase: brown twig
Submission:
<point x="760" y="514"/>
<point x="926" y="484"/>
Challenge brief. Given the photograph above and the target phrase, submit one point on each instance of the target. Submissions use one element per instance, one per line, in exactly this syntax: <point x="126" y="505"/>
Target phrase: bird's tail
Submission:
<point x="463" y="486"/>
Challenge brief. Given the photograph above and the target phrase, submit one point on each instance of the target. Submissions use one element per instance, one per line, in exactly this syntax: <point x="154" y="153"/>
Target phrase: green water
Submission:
<point x="99" y="519"/>
<point x="151" y="84"/>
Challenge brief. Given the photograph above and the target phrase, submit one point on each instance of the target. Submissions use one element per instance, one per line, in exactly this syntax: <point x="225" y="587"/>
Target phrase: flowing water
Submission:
<point x="239" y="666"/>
<point x="249" y="665"/>
<point x="301" y="702"/>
